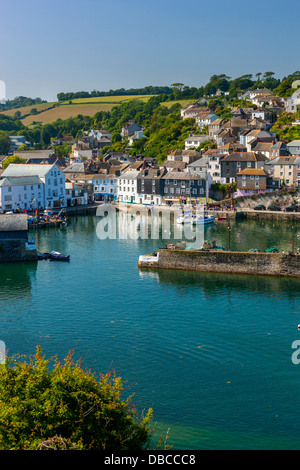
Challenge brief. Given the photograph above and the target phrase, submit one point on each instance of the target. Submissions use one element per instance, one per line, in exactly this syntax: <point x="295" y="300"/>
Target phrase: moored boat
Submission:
<point x="203" y="219"/>
<point x="55" y="255"/>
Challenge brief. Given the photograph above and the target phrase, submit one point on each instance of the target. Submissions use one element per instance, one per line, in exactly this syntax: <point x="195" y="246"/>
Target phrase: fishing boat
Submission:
<point x="185" y="218"/>
<point x="203" y="219"/>
<point x="56" y="256"/>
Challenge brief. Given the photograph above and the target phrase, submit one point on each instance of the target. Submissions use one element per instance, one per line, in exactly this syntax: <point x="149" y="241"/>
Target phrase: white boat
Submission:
<point x="203" y="219"/>
<point x="185" y="218"/>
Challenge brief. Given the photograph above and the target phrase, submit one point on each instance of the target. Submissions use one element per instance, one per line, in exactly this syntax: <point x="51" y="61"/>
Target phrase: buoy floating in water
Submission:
<point x="298" y="327"/>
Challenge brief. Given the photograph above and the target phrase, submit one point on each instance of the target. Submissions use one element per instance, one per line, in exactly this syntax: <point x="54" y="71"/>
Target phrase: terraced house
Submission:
<point x="150" y="186"/>
<point x="236" y="162"/>
<point x="251" y="180"/>
<point x="184" y="187"/>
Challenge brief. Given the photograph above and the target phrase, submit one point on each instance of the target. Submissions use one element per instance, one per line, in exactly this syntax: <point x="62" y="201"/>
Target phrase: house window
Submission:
<point x="171" y="190"/>
<point x="166" y="190"/>
<point x="252" y="177"/>
<point x="257" y="184"/>
<point x="194" y="191"/>
<point x="175" y="182"/>
<point x="244" y="184"/>
<point x="177" y="190"/>
<point x="244" y="177"/>
<point x="182" y="191"/>
<point x="9" y="189"/>
<point x="248" y="164"/>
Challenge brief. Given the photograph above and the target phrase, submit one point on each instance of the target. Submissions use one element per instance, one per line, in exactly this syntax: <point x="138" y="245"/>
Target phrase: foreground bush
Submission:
<point x="45" y="404"/>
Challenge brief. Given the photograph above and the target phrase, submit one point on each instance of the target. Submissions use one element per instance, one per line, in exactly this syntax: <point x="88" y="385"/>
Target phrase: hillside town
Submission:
<point x="242" y="154"/>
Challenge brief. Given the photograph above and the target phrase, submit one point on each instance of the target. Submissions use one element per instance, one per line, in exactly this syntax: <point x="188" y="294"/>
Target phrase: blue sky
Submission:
<point x="63" y="45"/>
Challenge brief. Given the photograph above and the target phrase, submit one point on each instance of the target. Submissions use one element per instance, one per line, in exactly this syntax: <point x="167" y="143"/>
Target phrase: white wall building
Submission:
<point x="75" y="194"/>
<point x="105" y="187"/>
<point x="127" y="186"/>
<point x="293" y="102"/>
<point x="21" y="192"/>
<point x="51" y="176"/>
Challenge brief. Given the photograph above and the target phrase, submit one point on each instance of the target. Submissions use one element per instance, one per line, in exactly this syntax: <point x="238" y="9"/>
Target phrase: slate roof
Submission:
<point x="21" y="169"/>
<point x="19" y="181"/>
<point x="244" y="156"/>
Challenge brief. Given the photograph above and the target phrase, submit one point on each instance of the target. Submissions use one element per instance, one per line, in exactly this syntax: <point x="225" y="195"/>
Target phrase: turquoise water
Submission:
<point x="210" y="353"/>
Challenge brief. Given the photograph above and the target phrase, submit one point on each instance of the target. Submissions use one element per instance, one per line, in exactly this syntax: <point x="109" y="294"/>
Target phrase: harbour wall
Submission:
<point x="229" y="262"/>
<point x="17" y="250"/>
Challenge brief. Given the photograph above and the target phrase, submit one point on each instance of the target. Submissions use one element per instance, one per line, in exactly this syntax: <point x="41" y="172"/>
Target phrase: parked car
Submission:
<point x="292" y="208"/>
<point x="260" y="208"/>
<point x="273" y="208"/>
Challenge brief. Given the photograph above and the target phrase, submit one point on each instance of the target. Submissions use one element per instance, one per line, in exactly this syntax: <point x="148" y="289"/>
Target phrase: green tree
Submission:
<point x="5" y="143"/>
<point x="47" y="132"/>
<point x="17" y="115"/>
<point x="12" y="159"/>
<point x="44" y="399"/>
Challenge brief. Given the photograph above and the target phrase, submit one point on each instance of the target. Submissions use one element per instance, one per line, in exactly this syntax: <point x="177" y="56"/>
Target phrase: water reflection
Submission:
<point x="16" y="281"/>
<point x="215" y="284"/>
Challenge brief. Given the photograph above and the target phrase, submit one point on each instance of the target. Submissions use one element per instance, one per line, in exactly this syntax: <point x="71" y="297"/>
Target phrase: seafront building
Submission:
<point x="52" y="185"/>
<point x="21" y="193"/>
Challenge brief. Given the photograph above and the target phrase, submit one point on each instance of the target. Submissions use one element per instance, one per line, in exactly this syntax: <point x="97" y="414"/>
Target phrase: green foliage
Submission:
<point x="12" y="159"/>
<point x="20" y="102"/>
<point x="4" y="143"/>
<point x="283" y="129"/>
<point x="45" y="400"/>
<point x="285" y="89"/>
<point x="62" y="150"/>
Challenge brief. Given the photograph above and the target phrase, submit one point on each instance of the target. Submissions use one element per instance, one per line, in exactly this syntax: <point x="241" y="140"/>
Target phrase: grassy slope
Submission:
<point x="64" y="110"/>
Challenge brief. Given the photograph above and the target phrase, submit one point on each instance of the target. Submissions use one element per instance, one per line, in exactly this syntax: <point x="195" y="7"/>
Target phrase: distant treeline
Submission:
<point x="216" y="82"/>
<point x="148" y="90"/>
<point x="20" y="102"/>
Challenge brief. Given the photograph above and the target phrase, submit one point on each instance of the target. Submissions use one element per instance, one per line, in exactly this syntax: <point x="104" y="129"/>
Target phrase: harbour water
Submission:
<point x="211" y="353"/>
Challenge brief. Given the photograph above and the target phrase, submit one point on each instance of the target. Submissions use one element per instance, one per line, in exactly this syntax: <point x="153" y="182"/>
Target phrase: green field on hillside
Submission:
<point x="50" y="112"/>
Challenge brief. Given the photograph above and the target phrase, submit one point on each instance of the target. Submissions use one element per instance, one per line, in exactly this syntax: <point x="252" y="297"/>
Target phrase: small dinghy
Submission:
<point x="56" y="256"/>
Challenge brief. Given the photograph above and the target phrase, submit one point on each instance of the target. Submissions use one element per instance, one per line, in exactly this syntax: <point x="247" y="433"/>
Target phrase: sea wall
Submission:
<point x="17" y="250"/>
<point x="253" y="263"/>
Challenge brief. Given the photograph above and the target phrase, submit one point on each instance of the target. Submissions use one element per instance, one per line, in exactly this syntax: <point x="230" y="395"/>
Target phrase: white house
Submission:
<point x="105" y="187"/>
<point x="136" y="136"/>
<point x="195" y="140"/>
<point x="292" y="102"/>
<point x="75" y="194"/>
<point x="98" y="134"/>
<point x="51" y="176"/>
<point x="21" y="192"/>
<point x="127" y="186"/>
<point x="205" y="118"/>
<point x="214" y="167"/>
